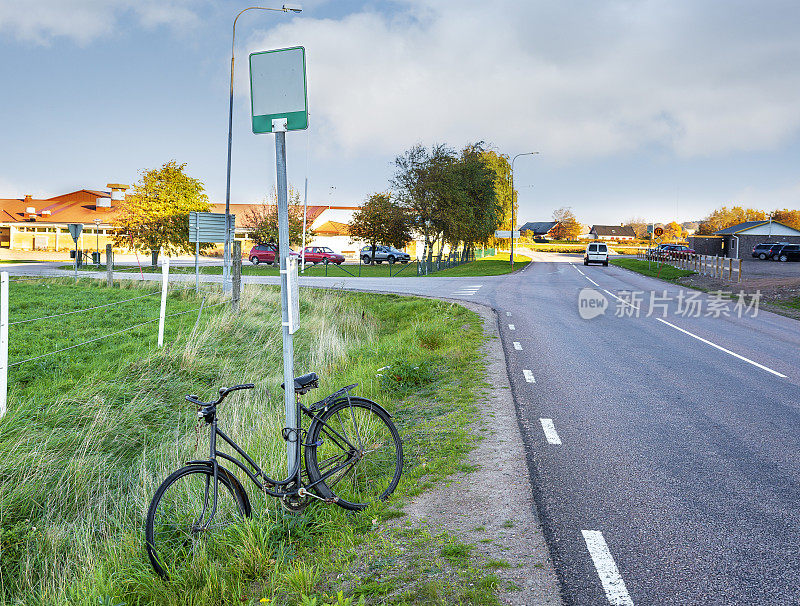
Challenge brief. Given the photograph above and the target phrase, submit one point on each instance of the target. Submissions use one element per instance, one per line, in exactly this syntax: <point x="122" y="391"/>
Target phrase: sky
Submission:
<point x="663" y="110"/>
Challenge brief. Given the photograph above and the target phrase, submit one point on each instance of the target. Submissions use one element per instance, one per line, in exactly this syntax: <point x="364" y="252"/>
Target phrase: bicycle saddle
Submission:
<point x="304" y="383"/>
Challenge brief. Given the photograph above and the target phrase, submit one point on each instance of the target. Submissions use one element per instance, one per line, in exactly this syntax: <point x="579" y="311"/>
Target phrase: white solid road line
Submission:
<point x="517" y="346"/>
<point x="616" y="592"/>
<point x="528" y="376"/>
<point x="512" y="327"/>
<point x="550" y="432"/>
<point x="727" y="351"/>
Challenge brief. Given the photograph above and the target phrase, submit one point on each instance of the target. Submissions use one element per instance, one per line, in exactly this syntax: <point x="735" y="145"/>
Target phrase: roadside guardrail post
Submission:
<point x="109" y="265"/>
<point x="164" y="286"/>
<point x="740" y="271"/>
<point x="730" y="269"/>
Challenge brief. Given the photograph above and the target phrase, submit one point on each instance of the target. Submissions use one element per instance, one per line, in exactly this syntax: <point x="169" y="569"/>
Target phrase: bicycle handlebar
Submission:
<point x="223" y="392"/>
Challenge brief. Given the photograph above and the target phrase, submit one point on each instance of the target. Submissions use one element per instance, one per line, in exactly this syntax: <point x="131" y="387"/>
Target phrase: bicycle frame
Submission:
<point x="293" y="484"/>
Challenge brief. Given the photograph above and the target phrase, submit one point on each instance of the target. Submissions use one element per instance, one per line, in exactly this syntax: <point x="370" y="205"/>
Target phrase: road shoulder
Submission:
<point x="492" y="507"/>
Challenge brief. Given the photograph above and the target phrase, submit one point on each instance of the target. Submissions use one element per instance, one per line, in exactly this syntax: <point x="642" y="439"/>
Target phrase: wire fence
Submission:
<point x="5" y="324"/>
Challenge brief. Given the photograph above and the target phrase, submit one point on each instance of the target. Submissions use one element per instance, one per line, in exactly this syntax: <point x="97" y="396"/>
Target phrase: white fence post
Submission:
<point x="3" y="342"/>
<point x="164" y="285"/>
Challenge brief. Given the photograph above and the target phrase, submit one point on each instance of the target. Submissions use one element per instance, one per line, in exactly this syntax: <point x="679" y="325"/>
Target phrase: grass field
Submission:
<point x="487" y="266"/>
<point x="666" y="272"/>
<point x="91" y="432"/>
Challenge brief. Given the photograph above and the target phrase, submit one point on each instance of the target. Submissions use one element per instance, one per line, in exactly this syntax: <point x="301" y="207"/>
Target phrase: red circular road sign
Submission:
<point x="659" y="231"/>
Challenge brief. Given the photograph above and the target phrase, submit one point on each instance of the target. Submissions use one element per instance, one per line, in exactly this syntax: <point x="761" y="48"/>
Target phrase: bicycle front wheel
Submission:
<point x="354" y="454"/>
<point x="182" y="518"/>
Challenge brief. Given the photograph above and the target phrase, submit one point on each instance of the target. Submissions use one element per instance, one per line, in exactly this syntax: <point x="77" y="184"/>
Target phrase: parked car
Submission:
<point x="384" y="253"/>
<point x="596" y="253"/>
<point x="767" y="250"/>
<point x="668" y="250"/>
<point x="787" y="252"/>
<point x="322" y="254"/>
<point x="265" y="253"/>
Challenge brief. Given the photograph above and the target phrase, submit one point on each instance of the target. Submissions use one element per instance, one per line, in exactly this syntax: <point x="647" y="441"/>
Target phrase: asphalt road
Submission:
<point x="664" y="449"/>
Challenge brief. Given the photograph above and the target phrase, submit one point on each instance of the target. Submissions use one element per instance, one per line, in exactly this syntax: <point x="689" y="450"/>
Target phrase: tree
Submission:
<point x="568" y="227"/>
<point x="381" y="219"/>
<point x="262" y="222"/>
<point x="422" y="182"/>
<point x="787" y="217"/>
<point x="672" y="231"/>
<point x="639" y="226"/>
<point x="156" y="215"/>
<point x="724" y="217"/>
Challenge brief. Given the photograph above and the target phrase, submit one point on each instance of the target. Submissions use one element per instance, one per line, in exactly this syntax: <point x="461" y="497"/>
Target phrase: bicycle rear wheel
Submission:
<point x="354" y="454"/>
<point x="179" y="523"/>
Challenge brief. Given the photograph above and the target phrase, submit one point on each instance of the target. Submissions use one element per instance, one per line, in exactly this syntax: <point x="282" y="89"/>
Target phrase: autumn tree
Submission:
<point x="672" y="231"/>
<point x="787" y="217"/>
<point x="262" y="222"/>
<point x="381" y="219"/>
<point x="568" y="227"/>
<point x="156" y="215"/>
<point x="725" y="217"/>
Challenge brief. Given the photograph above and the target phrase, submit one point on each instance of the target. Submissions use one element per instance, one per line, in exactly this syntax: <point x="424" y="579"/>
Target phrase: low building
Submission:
<point x="612" y="232"/>
<point x="539" y="229"/>
<point x="737" y="241"/>
<point x="42" y="223"/>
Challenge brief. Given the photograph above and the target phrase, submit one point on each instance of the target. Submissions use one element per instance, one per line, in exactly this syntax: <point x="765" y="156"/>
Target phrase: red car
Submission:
<point x="322" y="254"/>
<point x="265" y="253"/>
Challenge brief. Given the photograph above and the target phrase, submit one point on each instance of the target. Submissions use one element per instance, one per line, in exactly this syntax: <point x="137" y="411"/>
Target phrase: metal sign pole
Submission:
<point x="197" y="254"/>
<point x="305" y="214"/>
<point x="288" y="344"/>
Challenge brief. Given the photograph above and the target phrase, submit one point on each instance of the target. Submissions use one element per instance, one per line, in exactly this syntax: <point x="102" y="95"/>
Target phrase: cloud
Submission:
<point x="575" y="80"/>
<point x="85" y="20"/>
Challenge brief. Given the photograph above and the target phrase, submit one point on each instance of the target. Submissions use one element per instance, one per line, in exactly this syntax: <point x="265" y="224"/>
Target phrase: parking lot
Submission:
<point x="756" y="268"/>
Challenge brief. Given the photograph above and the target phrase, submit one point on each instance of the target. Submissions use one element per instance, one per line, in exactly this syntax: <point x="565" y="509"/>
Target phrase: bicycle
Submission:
<point x="353" y="457"/>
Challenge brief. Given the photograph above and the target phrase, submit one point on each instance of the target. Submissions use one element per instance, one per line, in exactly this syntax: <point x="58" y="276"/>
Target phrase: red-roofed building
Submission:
<point x="41" y="223"/>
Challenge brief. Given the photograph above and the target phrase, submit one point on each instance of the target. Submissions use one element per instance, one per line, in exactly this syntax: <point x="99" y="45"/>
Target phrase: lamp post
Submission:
<point x="226" y="284"/>
<point x="513" y="220"/>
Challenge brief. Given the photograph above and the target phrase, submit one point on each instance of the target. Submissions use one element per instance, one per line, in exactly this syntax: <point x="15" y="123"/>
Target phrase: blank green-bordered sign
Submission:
<point x="278" y="88"/>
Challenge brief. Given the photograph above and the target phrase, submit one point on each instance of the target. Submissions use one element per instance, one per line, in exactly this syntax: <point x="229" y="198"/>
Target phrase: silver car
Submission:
<point x="384" y="253"/>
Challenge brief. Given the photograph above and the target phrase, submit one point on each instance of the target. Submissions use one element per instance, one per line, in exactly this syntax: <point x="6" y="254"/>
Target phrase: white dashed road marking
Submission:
<point x="512" y="327"/>
<point x="607" y="570"/>
<point x="528" y="376"/>
<point x="592" y="281"/>
<point x="508" y="313"/>
<point x="550" y="431"/>
<point x="517" y="346"/>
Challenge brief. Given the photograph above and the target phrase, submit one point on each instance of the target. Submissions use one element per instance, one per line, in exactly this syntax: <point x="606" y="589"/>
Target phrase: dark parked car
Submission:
<point x="787" y="252"/>
<point x="384" y="253"/>
<point x="322" y="254"/>
<point x="670" y="250"/>
<point x="265" y="253"/>
<point x="767" y="250"/>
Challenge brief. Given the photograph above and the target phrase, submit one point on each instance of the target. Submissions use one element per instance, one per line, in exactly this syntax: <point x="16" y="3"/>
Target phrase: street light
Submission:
<point x="287" y="8"/>
<point x="513" y="221"/>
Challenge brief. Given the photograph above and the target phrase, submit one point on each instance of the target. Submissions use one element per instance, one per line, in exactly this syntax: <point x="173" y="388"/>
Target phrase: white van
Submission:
<point x="596" y="252"/>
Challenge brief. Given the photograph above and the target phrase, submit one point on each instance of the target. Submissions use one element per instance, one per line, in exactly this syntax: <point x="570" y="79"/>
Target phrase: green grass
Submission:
<point x="790" y="303"/>
<point x="91" y="432"/>
<point x="488" y="266"/>
<point x="666" y="272"/>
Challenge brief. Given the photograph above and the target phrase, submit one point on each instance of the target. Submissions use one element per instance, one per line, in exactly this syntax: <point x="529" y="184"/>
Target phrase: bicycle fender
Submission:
<point x="374" y="404"/>
<point x="233" y="479"/>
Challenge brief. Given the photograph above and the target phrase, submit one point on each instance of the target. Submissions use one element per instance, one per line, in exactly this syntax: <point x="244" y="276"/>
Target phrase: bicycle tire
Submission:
<point x="170" y="530"/>
<point x="368" y="478"/>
